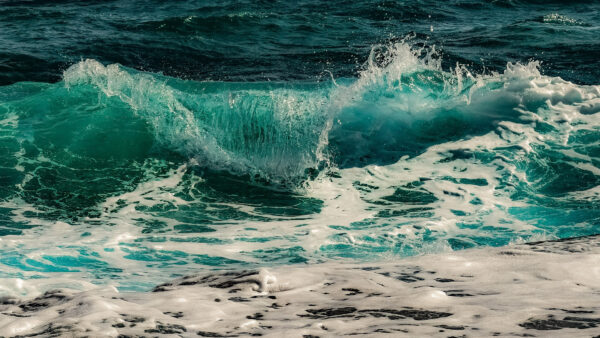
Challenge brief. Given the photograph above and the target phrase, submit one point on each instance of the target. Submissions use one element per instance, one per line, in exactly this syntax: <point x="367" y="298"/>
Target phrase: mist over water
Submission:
<point x="242" y="135"/>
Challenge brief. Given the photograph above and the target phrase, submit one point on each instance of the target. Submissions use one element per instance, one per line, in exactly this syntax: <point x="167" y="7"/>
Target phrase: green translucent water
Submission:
<point x="114" y="175"/>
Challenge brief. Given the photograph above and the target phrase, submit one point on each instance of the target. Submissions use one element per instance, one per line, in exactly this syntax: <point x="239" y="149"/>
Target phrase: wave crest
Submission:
<point x="401" y="104"/>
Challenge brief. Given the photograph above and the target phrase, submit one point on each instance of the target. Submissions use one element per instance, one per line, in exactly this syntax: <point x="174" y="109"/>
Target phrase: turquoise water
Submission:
<point x="156" y="141"/>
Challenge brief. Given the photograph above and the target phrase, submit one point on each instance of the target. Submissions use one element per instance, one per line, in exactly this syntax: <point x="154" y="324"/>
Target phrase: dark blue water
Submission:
<point x="298" y="40"/>
<point x="145" y="140"/>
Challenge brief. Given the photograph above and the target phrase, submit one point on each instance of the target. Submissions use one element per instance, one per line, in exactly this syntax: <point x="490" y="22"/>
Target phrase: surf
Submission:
<point x="407" y="158"/>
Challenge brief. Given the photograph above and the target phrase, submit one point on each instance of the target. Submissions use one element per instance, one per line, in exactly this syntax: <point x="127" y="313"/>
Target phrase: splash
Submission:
<point x="139" y="175"/>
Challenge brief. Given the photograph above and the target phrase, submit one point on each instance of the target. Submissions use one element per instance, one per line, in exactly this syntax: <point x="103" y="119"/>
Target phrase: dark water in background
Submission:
<point x="145" y="140"/>
<point x="290" y="40"/>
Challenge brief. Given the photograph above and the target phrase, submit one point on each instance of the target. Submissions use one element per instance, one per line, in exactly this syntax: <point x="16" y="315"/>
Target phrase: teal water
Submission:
<point x="157" y="141"/>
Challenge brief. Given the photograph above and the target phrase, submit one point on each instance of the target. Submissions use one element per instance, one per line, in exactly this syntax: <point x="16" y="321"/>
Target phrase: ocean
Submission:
<point x="146" y="141"/>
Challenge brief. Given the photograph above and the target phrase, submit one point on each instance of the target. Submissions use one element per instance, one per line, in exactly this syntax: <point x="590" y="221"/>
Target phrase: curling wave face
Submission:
<point x="116" y="174"/>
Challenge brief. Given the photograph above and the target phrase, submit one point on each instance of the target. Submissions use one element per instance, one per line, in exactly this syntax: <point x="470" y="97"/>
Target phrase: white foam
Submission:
<point x="350" y="217"/>
<point x="516" y="290"/>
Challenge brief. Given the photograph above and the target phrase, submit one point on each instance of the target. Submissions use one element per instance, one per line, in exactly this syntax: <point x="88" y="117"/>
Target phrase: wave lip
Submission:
<point x="401" y="104"/>
<point x="258" y="129"/>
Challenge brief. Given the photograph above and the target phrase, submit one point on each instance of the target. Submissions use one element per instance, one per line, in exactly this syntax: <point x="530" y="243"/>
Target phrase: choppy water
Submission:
<point x="140" y="141"/>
